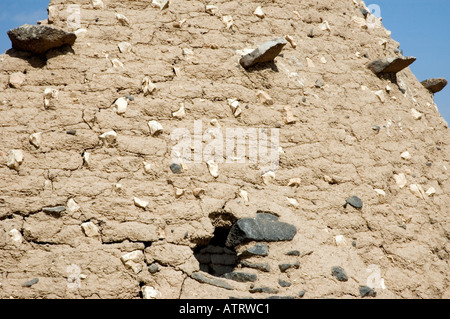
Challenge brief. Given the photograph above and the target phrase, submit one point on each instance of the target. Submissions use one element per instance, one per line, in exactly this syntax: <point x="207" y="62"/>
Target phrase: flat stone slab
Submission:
<point x="54" y="210"/>
<point x="264" y="53"/>
<point x="264" y="227"/>
<point x="390" y="65"/>
<point x="241" y="276"/>
<point x="435" y="85"/>
<point x="38" y="39"/>
<point x="204" y="278"/>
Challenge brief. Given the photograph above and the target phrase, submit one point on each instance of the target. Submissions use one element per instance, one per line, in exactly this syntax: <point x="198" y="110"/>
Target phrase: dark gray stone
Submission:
<point x="339" y="273"/>
<point x="293" y="253"/>
<point x="71" y="132"/>
<point x="38" y="39"/>
<point x="319" y="84"/>
<point x="364" y="12"/>
<point x="30" y="282"/>
<point x="129" y="97"/>
<point x="266" y="290"/>
<point x="54" y="210"/>
<point x="257" y="250"/>
<point x="176" y="168"/>
<point x="301" y="293"/>
<point x="203" y="278"/>
<point x="264" y="53"/>
<point x="153" y="268"/>
<point x="354" y="201"/>
<point x="280" y="297"/>
<point x="260" y="266"/>
<point x="284" y="267"/>
<point x="241" y="276"/>
<point x="435" y="85"/>
<point x="390" y="65"/>
<point x="376" y="128"/>
<point x="365" y="291"/>
<point x="283" y="283"/>
<point x="265" y="227"/>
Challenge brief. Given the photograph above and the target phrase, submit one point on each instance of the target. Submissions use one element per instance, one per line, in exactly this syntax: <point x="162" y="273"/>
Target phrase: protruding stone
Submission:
<point x="243" y="195"/>
<point x="416" y="114"/>
<point x="405" y="155"/>
<point x="15" y="236"/>
<point x="264" y="98"/>
<point x="400" y="180"/>
<point x="155" y="128"/>
<point x="380" y="192"/>
<point x="257" y="250"/>
<point x="235" y="107"/>
<point x="15" y="159"/>
<point x="134" y="260"/>
<point x="116" y="63"/>
<point x="16" y="80"/>
<point x="340" y="241"/>
<point x="147" y="86"/>
<point x="355" y="202"/>
<point x="213" y="168"/>
<point x="90" y="230"/>
<point x="295" y="182"/>
<point x="264" y="227"/>
<point x="339" y="273"/>
<point x="54" y="209"/>
<point x="241" y="276"/>
<point x="147" y="167"/>
<point x="268" y="177"/>
<point x="50" y="98"/>
<point x="123" y="20"/>
<point x="431" y="191"/>
<point x="367" y="292"/>
<point x="390" y="65"/>
<point x="140" y="203"/>
<point x="211" y="9"/>
<point x="291" y="41"/>
<point x="290" y="118"/>
<point x="325" y="26"/>
<point x="264" y="53"/>
<point x="284" y="267"/>
<point x="161" y="4"/>
<point x="310" y="63"/>
<point x="181" y="113"/>
<point x="87" y="159"/>
<point x="208" y="279"/>
<point x="38" y="39"/>
<point x="380" y="95"/>
<point x="259" y="13"/>
<point x="124" y="47"/>
<point x="228" y="20"/>
<point x="435" y="85"/>
<point x="72" y="206"/>
<point x="120" y="105"/>
<point x="36" y="139"/>
<point x="176" y="168"/>
<point x="198" y="192"/>
<point x="150" y="293"/>
<point x="293" y="202"/>
<point x="108" y="138"/>
<point x="97" y="4"/>
<point x="179" y="192"/>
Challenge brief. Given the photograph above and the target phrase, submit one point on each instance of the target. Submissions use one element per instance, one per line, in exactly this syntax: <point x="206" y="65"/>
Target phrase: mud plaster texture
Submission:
<point x="343" y="142"/>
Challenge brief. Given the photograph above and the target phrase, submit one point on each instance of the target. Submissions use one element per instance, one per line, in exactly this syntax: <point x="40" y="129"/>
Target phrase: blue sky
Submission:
<point x="422" y="27"/>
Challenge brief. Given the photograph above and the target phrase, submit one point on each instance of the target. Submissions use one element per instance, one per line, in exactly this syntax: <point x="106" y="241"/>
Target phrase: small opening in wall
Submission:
<point x="215" y="258"/>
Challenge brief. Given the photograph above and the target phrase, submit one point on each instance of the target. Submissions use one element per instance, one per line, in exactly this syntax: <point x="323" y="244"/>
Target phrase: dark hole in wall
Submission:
<point x="215" y="258"/>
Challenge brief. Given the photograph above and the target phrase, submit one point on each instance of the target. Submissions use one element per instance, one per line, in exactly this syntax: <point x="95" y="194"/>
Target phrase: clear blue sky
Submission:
<point x="422" y="27"/>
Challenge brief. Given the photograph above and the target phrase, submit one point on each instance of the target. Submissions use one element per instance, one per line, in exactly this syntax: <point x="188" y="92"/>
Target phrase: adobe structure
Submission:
<point x="95" y="203"/>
